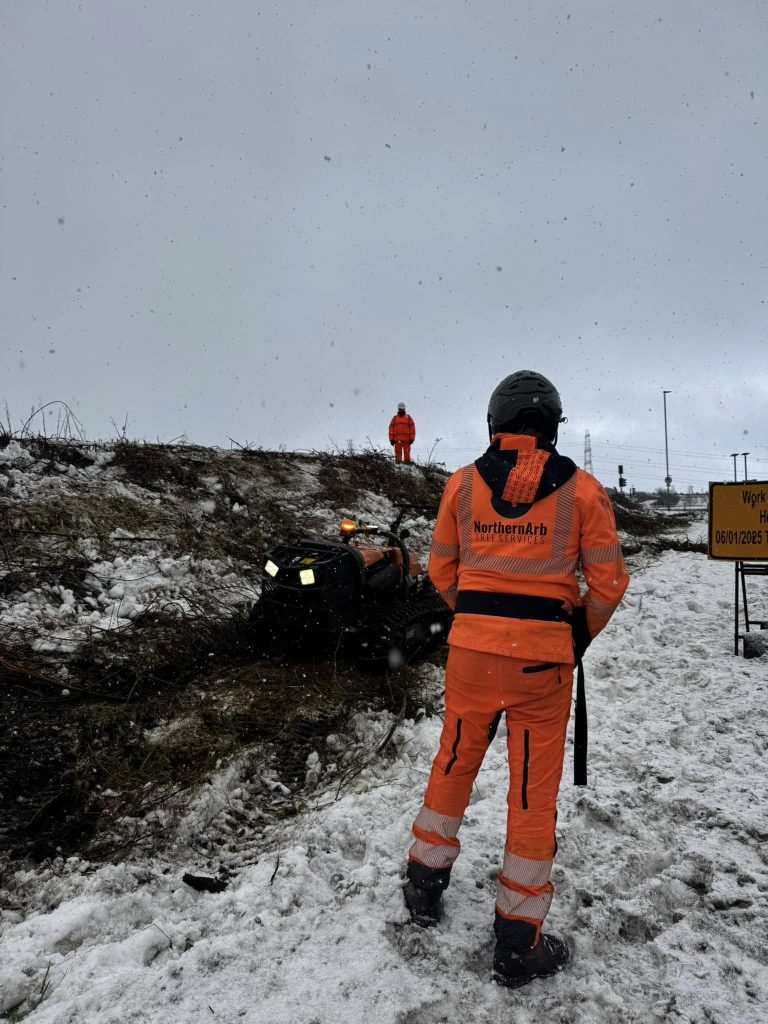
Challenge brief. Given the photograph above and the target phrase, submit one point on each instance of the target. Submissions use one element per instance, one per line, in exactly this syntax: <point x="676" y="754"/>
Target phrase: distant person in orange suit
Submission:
<point x="402" y="433"/>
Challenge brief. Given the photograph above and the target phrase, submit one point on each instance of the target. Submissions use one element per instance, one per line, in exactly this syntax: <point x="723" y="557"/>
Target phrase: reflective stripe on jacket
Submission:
<point x="402" y="429"/>
<point x="520" y="521"/>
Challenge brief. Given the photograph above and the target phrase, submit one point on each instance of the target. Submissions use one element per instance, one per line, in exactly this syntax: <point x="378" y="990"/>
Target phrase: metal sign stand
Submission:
<point x="744" y="569"/>
<point x="738" y="533"/>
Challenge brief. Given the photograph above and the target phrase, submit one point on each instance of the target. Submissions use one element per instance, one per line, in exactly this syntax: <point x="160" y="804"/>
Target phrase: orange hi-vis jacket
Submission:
<point x="402" y="429"/>
<point x="510" y="534"/>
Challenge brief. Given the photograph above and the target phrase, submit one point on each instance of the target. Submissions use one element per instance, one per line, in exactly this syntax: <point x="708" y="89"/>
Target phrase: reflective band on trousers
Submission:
<point x="533" y="904"/>
<point x="524" y="888"/>
<point x="557" y="564"/>
<point x="524" y="870"/>
<point x="435" y="845"/>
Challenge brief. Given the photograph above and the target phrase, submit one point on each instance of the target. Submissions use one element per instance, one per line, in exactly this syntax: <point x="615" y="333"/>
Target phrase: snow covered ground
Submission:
<point x="661" y="877"/>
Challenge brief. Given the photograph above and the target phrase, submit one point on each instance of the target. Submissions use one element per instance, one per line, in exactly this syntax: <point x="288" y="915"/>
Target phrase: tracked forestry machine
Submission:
<point x="364" y="595"/>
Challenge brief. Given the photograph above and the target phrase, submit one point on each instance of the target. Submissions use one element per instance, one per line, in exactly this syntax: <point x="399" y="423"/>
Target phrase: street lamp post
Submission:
<point x="734" y="456"/>
<point x="745" y="454"/>
<point x="667" y="478"/>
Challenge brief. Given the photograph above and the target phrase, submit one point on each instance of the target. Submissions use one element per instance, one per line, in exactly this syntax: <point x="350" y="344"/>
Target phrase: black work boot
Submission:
<point x="516" y="961"/>
<point x="423" y="891"/>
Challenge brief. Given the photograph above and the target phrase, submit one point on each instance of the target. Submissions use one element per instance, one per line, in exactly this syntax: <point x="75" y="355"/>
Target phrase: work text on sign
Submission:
<point x="738" y="521"/>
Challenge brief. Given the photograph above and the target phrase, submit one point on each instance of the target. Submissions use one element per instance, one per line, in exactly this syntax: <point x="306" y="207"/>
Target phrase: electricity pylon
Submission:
<point x="587" y="453"/>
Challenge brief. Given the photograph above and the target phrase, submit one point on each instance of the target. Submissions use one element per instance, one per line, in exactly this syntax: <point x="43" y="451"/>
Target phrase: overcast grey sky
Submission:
<point x="273" y="221"/>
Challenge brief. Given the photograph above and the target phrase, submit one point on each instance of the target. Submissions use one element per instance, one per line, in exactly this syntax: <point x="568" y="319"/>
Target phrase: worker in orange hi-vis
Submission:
<point x="402" y="433"/>
<point x="511" y="531"/>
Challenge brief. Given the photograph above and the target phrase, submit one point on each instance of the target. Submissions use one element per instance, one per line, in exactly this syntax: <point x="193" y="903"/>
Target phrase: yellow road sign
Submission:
<point x="738" y="521"/>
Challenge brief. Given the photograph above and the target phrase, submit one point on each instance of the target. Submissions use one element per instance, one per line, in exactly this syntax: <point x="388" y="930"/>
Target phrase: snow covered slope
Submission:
<point x="661" y="877"/>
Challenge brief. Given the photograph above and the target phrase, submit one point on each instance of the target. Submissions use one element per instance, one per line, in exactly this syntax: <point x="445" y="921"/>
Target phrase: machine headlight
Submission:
<point x="271" y="569"/>
<point x="307" y="576"/>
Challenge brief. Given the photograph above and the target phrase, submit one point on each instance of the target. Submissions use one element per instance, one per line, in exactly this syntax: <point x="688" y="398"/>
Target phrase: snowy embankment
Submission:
<point x="661" y="876"/>
<point x="98" y="538"/>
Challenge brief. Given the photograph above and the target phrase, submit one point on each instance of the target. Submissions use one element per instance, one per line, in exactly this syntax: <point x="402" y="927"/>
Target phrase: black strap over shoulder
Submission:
<point x="580" y="729"/>
<point x="581" y="641"/>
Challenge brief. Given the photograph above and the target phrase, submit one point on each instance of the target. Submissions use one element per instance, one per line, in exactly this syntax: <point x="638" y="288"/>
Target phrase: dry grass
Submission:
<point x="31" y="525"/>
<point x="70" y="571"/>
<point x="343" y="477"/>
<point x="279" y="467"/>
<point x="158" y="467"/>
<point x="56" y="450"/>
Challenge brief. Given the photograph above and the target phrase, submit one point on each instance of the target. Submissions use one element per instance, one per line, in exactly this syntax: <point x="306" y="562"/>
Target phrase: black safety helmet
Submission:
<point x="525" y="399"/>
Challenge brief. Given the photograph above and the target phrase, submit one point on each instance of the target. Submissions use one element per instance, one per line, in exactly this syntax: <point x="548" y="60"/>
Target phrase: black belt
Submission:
<point x="511" y="606"/>
<point x="548" y="609"/>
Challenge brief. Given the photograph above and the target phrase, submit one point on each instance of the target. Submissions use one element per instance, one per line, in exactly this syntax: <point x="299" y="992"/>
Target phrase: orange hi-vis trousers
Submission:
<point x="402" y="451"/>
<point x="536" y="698"/>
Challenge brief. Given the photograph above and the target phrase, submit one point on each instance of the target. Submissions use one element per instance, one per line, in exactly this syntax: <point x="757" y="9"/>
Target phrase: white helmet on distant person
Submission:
<point x="401" y="406"/>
